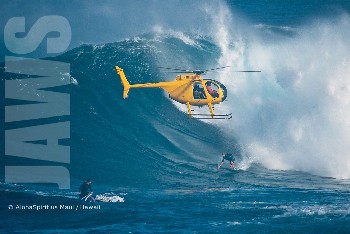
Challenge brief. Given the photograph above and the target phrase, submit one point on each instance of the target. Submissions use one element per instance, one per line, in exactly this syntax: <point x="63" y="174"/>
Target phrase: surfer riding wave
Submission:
<point x="228" y="157"/>
<point x="85" y="191"/>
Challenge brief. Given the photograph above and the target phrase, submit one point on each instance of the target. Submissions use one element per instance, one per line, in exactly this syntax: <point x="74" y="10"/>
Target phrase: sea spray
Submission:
<point x="293" y="115"/>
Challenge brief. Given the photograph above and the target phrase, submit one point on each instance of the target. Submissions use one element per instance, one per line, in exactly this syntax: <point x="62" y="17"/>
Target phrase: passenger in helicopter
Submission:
<point x="198" y="92"/>
<point x="211" y="91"/>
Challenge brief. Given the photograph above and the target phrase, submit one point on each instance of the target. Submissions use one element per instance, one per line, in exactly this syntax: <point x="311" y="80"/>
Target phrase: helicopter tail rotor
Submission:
<point x="125" y="82"/>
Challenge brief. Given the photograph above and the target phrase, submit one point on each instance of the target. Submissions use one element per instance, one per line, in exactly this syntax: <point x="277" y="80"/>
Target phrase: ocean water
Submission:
<point x="290" y="131"/>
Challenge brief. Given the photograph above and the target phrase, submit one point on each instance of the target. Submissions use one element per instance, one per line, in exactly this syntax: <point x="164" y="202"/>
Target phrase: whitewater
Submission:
<point x="293" y="115"/>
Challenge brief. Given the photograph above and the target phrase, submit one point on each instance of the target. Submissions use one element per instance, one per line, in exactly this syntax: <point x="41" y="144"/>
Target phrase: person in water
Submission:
<point x="230" y="158"/>
<point x="85" y="190"/>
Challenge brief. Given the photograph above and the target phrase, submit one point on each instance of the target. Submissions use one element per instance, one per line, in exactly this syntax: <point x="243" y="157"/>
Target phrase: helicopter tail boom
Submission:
<point x="125" y="82"/>
<point x="168" y="86"/>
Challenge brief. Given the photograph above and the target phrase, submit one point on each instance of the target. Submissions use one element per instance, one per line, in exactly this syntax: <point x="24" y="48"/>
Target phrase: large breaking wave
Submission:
<point x="291" y="116"/>
<point x="144" y="139"/>
<point x="295" y="114"/>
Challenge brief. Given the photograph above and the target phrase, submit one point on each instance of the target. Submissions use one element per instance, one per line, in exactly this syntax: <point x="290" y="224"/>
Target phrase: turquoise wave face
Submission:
<point x="139" y="140"/>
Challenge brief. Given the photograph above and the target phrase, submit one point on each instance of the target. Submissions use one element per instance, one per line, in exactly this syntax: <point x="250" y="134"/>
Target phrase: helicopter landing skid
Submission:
<point x="209" y="116"/>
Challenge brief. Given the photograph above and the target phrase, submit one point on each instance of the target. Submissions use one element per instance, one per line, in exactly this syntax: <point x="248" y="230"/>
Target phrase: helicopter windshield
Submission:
<point x="224" y="90"/>
<point x="198" y="91"/>
<point x="213" y="89"/>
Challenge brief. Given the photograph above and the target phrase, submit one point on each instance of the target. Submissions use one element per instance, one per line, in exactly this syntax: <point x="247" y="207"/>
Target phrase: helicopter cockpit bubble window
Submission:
<point x="213" y="89"/>
<point x="198" y="91"/>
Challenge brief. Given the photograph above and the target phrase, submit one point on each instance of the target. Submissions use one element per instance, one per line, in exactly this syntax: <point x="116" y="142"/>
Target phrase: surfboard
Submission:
<point x="87" y="197"/>
<point x="230" y="169"/>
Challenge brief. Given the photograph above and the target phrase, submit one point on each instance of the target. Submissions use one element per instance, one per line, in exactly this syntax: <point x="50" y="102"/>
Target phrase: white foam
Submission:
<point x="161" y="33"/>
<point x="68" y="76"/>
<point x="274" y="27"/>
<point x="310" y="210"/>
<point x="109" y="197"/>
<point x="295" y="114"/>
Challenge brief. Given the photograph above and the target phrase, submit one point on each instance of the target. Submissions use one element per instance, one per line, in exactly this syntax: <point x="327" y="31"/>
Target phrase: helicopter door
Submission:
<point x="213" y="89"/>
<point x="198" y="91"/>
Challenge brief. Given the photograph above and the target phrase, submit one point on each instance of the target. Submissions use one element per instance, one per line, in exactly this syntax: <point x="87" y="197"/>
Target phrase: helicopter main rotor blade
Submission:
<point x="247" y="71"/>
<point x="176" y="69"/>
<point x="196" y="71"/>
<point x="200" y="71"/>
<point x="180" y="72"/>
<point x="217" y="68"/>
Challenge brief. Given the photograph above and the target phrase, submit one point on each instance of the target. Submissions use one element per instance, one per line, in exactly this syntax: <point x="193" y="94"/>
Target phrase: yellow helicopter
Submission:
<point x="188" y="88"/>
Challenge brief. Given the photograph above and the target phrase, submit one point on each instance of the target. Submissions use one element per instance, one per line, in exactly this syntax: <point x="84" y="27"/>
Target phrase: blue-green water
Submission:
<point x="289" y="130"/>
